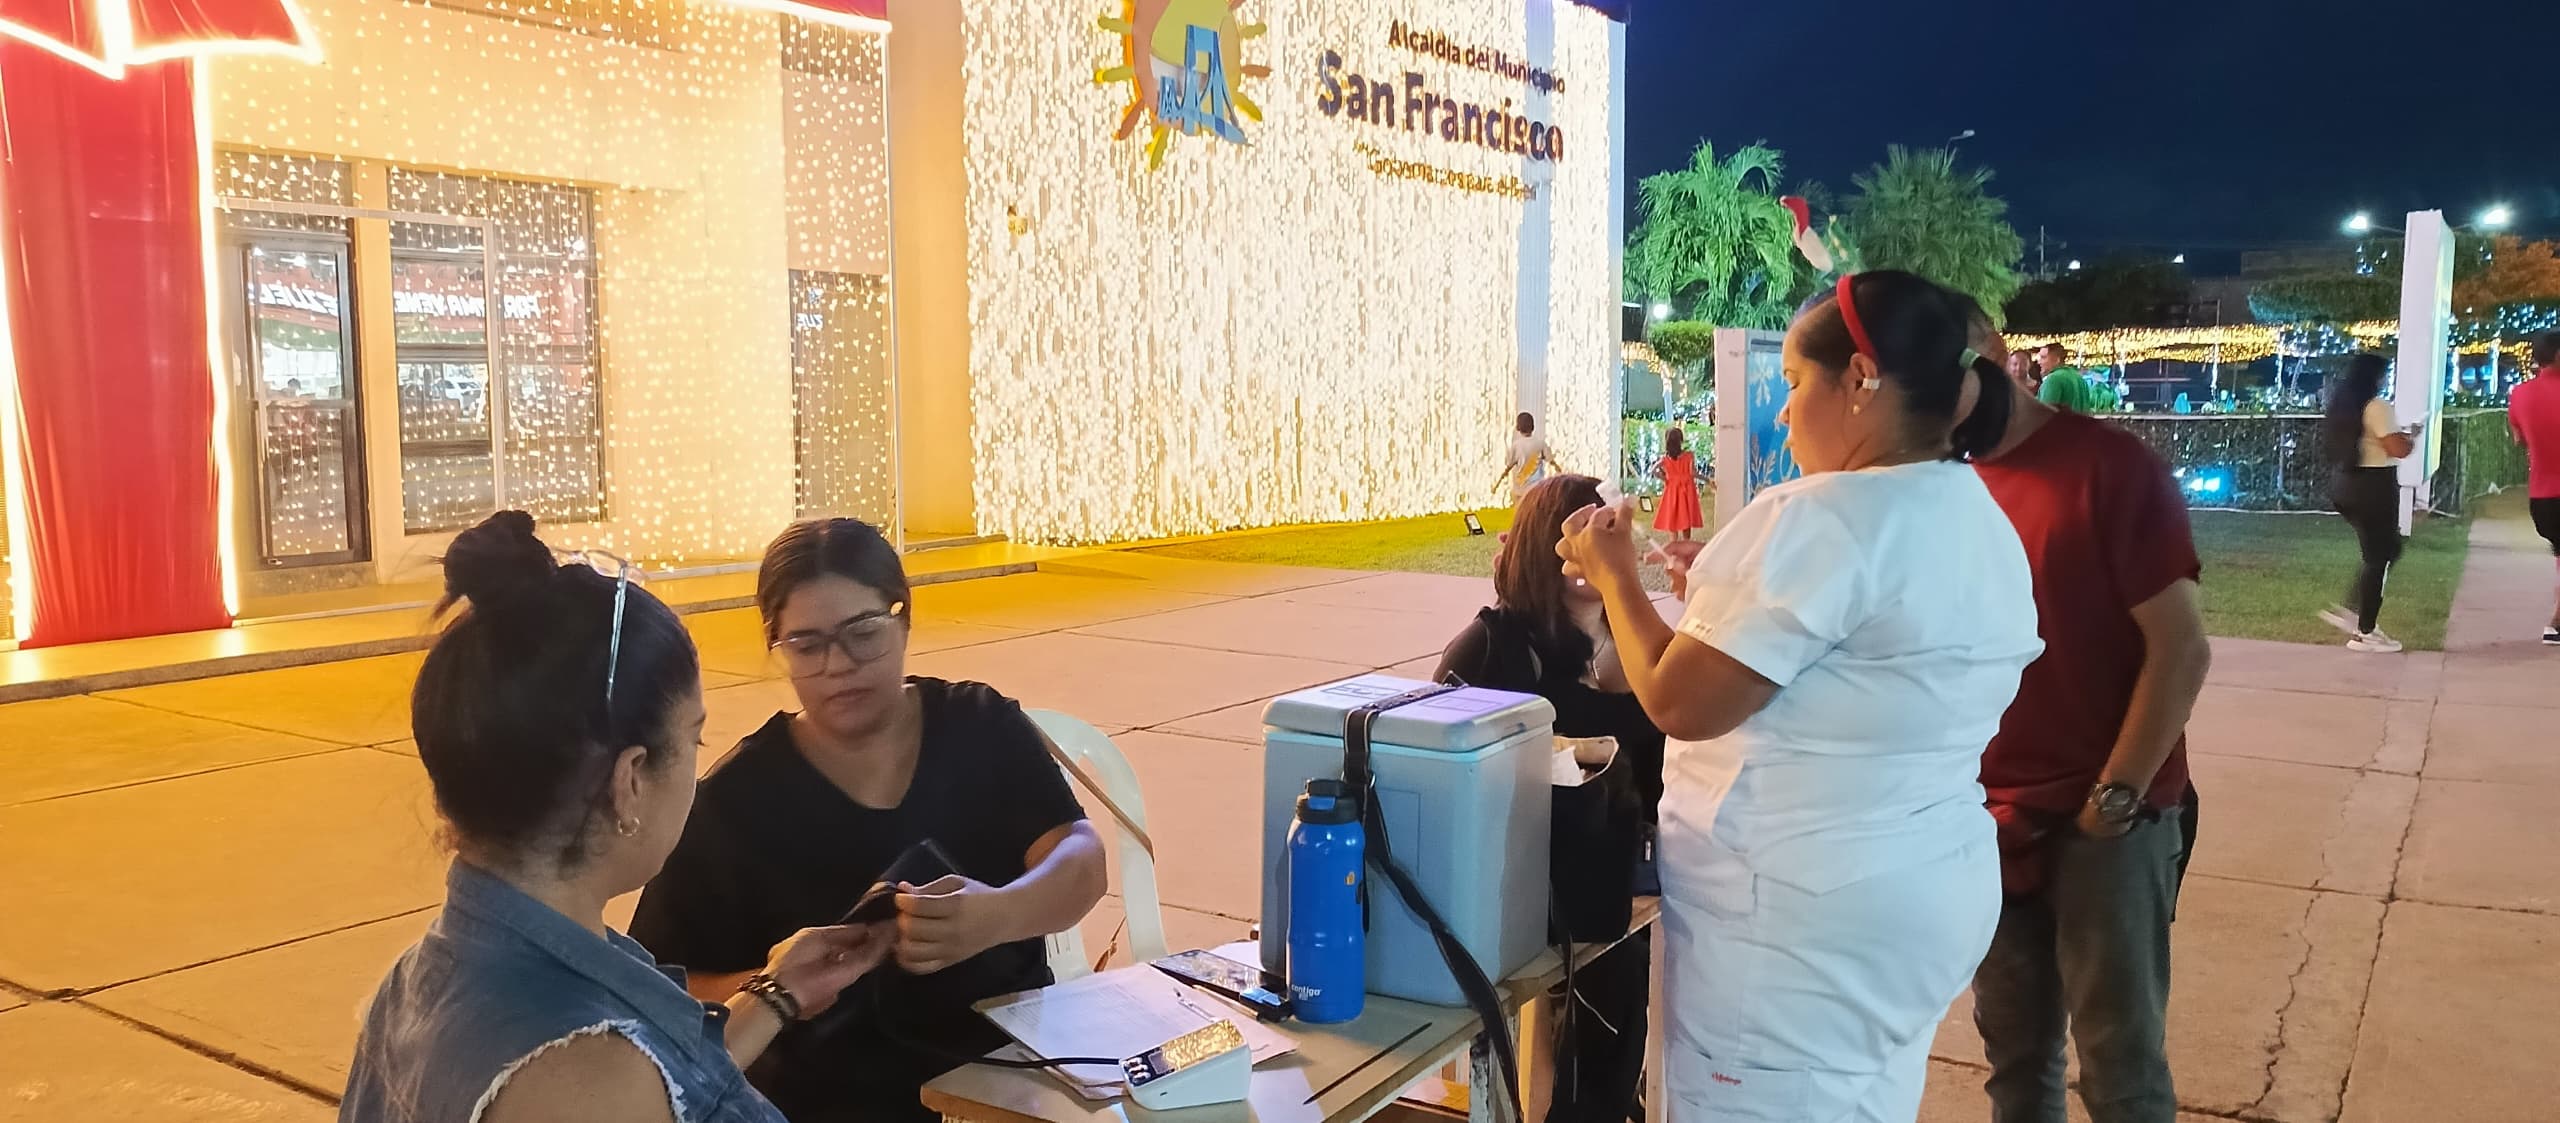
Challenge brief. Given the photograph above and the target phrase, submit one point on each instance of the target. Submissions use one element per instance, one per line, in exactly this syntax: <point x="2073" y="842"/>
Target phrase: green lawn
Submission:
<point x="1437" y="544"/>
<point x="2266" y="576"/>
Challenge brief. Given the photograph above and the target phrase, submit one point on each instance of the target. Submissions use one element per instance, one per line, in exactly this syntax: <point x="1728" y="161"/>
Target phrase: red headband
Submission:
<point x="1849" y="317"/>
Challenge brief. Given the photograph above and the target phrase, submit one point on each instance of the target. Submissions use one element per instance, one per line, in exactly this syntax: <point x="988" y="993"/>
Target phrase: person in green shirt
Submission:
<point x="2066" y="388"/>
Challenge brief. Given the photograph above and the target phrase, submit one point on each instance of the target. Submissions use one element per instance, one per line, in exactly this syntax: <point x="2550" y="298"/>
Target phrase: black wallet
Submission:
<point x="922" y="864"/>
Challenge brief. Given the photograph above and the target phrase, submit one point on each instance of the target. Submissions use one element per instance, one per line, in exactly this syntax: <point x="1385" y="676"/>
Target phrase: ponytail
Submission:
<point x="1980" y="433"/>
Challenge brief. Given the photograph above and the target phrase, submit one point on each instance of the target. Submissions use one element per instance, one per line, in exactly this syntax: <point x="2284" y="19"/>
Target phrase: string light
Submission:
<point x="2245" y="343"/>
<point x="689" y="207"/>
<point x="226" y="469"/>
<point x="17" y="615"/>
<point x="1269" y="333"/>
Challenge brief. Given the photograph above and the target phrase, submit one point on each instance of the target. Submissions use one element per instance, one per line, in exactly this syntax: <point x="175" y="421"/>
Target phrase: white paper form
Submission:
<point x="1118" y="1014"/>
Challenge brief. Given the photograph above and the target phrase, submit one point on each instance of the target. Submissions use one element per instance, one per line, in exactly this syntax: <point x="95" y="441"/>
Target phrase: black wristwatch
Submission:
<point x="2118" y="804"/>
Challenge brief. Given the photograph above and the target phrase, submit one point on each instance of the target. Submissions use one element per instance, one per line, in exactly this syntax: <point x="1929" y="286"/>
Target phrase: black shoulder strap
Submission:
<point x="1480" y="992"/>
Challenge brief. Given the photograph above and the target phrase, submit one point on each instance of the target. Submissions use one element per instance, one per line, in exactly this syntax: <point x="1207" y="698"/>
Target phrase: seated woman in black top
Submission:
<point x="794" y="824"/>
<point x="1545" y="636"/>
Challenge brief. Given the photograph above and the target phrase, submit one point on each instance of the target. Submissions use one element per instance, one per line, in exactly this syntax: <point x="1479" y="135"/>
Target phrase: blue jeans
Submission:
<point x="2086" y="958"/>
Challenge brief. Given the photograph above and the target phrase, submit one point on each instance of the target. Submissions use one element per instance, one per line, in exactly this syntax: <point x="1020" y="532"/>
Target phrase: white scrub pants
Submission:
<point x="1795" y="1007"/>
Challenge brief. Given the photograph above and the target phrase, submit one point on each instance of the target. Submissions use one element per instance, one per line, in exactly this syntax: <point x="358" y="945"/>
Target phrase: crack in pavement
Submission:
<point x="2284" y="1011"/>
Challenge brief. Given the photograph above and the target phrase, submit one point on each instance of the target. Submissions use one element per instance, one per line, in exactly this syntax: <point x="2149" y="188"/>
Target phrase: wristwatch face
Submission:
<point x="2118" y="802"/>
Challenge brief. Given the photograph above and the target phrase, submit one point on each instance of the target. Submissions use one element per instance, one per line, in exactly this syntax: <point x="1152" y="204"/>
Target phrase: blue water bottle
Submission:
<point x="1328" y="948"/>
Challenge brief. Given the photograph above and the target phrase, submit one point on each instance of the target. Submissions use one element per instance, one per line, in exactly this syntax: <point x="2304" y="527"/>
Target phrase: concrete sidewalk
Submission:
<point x="201" y="882"/>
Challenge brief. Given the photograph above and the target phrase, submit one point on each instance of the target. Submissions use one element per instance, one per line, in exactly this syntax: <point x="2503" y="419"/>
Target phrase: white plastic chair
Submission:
<point x="1107" y="776"/>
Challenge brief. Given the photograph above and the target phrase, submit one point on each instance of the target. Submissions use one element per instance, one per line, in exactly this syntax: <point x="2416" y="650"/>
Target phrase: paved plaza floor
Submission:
<point x="201" y="882"/>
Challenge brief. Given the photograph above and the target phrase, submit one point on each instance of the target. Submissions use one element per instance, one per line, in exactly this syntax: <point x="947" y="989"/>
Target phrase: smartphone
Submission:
<point x="1256" y="988"/>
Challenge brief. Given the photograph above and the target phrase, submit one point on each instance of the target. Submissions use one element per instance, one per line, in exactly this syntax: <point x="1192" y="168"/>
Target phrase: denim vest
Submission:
<point x="500" y="976"/>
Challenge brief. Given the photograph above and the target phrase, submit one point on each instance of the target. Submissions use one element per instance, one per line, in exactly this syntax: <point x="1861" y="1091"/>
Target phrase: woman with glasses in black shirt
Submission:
<point x="794" y="824"/>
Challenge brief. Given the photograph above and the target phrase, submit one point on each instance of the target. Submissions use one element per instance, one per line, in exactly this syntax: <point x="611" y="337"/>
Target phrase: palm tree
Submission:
<point x="1714" y="243"/>
<point x="1919" y="213"/>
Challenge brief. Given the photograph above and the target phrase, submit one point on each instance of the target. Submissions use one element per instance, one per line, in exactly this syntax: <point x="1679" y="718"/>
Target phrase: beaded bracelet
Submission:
<point x="774" y="995"/>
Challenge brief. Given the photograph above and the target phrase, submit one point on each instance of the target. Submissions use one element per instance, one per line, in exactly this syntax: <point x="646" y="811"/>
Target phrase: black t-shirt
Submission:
<point x="1501" y="650"/>
<point x="774" y="846"/>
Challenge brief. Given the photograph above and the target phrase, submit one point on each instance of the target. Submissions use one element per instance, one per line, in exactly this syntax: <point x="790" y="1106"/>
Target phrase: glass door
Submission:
<point x="294" y="376"/>
<point x="450" y="412"/>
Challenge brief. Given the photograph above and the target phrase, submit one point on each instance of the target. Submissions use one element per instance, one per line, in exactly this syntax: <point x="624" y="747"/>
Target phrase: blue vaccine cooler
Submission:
<point x="1463" y="783"/>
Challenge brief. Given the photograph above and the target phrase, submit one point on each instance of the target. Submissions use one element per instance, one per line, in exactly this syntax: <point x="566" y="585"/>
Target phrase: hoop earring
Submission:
<point x="627" y="827"/>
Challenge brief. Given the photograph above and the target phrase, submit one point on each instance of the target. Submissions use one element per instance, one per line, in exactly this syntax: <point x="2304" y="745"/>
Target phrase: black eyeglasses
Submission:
<point x="863" y="639"/>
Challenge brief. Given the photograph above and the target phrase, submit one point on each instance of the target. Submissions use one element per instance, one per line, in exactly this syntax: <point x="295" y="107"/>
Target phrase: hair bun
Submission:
<point x="498" y="562"/>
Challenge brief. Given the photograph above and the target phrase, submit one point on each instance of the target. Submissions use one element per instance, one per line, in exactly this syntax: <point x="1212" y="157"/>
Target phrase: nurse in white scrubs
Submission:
<point x="1828" y="872"/>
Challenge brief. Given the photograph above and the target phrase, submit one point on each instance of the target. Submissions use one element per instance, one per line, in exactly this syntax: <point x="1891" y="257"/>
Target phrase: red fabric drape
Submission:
<point x="104" y="264"/>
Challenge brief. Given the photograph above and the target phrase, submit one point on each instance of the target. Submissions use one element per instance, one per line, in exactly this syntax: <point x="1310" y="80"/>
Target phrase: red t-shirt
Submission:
<point x="2533" y="411"/>
<point x="2105" y="530"/>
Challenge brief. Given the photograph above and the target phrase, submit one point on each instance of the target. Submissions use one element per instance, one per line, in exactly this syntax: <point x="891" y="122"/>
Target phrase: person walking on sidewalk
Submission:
<point x="2364" y="444"/>
<point x="2533" y="411"/>
<point x="2087" y="778"/>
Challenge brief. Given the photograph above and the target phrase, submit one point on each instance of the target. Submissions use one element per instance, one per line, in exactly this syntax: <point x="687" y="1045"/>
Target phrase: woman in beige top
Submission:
<point x="2364" y="441"/>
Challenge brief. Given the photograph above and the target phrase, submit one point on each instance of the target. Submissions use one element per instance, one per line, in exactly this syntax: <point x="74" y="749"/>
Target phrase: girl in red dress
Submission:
<point x="1679" y="513"/>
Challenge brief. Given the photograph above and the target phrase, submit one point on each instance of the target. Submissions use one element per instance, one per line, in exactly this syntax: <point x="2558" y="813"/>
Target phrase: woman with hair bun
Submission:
<point x="558" y="717"/>
<point x="1829" y="875"/>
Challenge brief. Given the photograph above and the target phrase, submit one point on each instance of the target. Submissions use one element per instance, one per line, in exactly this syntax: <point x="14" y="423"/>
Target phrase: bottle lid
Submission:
<point x="1329" y="803"/>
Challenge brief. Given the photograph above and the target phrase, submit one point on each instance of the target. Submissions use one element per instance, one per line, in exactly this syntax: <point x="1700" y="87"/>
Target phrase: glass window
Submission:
<point x="550" y="445"/>
<point x="309" y="500"/>
<point x="844" y="415"/>
<point x="439" y="302"/>
<point x="442" y="490"/>
<point x="546" y="307"/>
<point x="299" y="327"/>
<point x="444" y="403"/>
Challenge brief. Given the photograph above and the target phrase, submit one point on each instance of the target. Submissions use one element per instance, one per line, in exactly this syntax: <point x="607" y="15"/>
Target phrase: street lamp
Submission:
<point x="2495" y="218"/>
<point x="2074" y="266"/>
<point x="2181" y="259"/>
<point x="1966" y="135"/>
<point x="1661" y="312"/>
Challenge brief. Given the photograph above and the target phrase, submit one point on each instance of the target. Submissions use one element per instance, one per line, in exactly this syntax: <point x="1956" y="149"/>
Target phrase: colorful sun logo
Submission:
<point x="1179" y="58"/>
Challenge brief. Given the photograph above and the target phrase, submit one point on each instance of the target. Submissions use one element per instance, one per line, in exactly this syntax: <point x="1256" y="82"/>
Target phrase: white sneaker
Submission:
<point x="2374" y="643"/>
<point x="2337" y="616"/>
<point x="2551" y="637"/>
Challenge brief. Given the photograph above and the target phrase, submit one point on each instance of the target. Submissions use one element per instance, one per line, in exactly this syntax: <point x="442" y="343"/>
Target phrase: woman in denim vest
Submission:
<point x="558" y="718"/>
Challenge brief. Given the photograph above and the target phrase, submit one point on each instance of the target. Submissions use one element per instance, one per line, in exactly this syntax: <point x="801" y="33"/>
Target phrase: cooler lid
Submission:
<point x="1459" y="721"/>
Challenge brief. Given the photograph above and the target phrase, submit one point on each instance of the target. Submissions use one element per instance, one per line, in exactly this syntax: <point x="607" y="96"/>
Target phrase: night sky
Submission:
<point x="2208" y="128"/>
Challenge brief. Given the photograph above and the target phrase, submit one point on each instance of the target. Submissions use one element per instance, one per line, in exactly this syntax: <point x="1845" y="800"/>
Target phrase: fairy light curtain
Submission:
<point x="103" y="257"/>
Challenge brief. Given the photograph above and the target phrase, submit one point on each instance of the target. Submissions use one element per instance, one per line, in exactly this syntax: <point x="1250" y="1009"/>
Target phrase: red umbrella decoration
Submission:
<point x="108" y="36"/>
<point x="117" y="510"/>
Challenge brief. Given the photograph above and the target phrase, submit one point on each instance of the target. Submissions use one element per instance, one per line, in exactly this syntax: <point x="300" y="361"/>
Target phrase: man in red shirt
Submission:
<point x="2088" y="776"/>
<point x="2533" y="411"/>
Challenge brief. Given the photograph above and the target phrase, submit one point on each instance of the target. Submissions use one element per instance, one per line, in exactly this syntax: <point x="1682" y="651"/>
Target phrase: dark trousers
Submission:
<point x="2085" y="959"/>
<point x="1600" y="1053"/>
<point x="2370" y="500"/>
